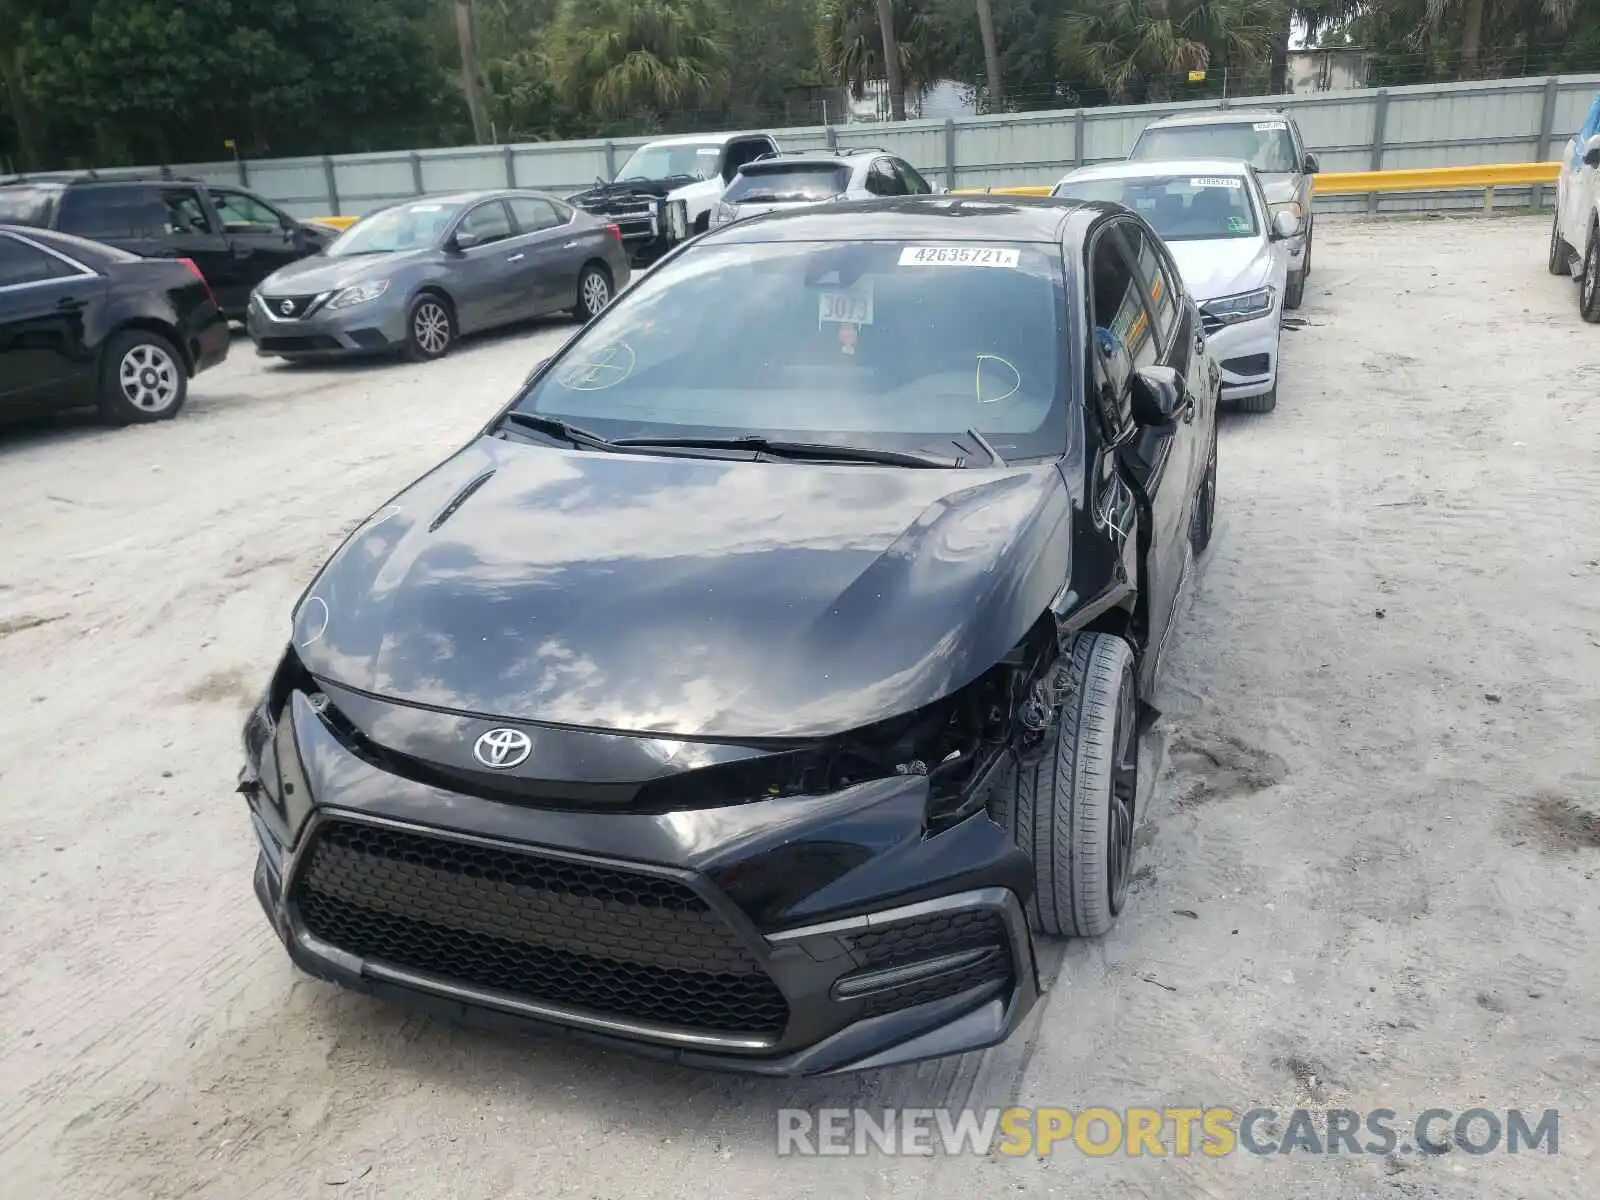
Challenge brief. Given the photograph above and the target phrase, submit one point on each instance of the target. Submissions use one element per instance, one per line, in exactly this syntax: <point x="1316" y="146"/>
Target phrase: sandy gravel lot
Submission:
<point x="1367" y="871"/>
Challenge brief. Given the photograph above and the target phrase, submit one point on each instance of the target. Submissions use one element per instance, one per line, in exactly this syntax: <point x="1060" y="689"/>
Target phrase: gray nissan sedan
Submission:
<point x="412" y="278"/>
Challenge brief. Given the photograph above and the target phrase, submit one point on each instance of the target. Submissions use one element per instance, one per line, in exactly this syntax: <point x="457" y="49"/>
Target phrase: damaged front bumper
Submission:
<point x="795" y="936"/>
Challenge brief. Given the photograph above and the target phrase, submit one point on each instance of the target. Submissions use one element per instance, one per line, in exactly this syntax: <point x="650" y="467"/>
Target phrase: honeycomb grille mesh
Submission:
<point x="929" y="937"/>
<point x="600" y="939"/>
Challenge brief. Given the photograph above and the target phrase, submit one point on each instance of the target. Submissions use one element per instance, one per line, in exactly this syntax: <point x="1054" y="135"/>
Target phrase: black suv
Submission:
<point x="235" y="237"/>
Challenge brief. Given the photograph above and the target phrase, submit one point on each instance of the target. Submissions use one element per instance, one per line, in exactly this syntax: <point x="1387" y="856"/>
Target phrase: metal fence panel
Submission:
<point x="1425" y="126"/>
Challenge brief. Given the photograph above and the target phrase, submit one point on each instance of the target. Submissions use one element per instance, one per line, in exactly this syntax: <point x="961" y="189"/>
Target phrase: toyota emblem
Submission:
<point x="501" y="749"/>
<point x="286" y="307"/>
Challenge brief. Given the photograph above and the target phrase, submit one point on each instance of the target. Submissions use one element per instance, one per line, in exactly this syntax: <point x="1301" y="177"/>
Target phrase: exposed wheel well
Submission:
<point x="188" y="350"/>
<point x="604" y="270"/>
<point x="434" y="290"/>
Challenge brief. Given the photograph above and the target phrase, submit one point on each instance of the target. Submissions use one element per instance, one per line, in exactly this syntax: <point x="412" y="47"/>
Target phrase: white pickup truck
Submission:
<point x="667" y="189"/>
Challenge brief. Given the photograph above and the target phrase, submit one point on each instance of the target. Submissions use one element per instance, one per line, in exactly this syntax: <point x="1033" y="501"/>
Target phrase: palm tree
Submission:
<point x="991" y="57"/>
<point x="1132" y="47"/>
<point x="850" y="48"/>
<point x="619" y="56"/>
<point x="467" y="36"/>
<point x="891" y="61"/>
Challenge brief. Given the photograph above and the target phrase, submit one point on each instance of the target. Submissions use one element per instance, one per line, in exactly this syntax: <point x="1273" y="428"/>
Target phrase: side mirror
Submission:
<point x="464" y="241"/>
<point x="1311" y="166"/>
<point x="1591" y="152"/>
<point x="1285" y="225"/>
<point x="1159" y="396"/>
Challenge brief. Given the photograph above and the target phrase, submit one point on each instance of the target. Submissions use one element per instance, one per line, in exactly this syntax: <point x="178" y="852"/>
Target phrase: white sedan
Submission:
<point x="1232" y="253"/>
<point x="1575" y="238"/>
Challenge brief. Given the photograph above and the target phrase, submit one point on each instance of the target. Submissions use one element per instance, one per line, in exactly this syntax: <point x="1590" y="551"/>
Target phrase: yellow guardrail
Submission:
<point x="1481" y="178"/>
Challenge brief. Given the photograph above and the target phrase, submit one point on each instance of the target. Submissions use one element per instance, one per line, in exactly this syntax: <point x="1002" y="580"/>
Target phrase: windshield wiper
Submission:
<point x="816" y="451"/>
<point x="552" y="427"/>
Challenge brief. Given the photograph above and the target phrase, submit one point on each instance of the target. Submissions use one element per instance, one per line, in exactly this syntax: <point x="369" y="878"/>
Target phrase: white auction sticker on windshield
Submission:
<point x="1264" y="126"/>
<point x="853" y="307"/>
<point x="958" y="256"/>
<point x="1221" y="181"/>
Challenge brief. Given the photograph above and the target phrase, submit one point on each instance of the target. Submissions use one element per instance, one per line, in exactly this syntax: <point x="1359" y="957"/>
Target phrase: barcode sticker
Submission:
<point x="1221" y="181"/>
<point x="958" y="256"/>
<point x="1265" y="126"/>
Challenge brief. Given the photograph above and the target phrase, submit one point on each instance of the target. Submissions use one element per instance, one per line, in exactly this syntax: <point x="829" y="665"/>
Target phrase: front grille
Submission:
<point x="600" y="939"/>
<point x="930" y="937"/>
<point x="288" y="308"/>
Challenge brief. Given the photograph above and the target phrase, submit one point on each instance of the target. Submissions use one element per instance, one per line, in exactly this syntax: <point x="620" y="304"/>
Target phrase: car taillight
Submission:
<point x="201" y="276"/>
<point x="615" y="231"/>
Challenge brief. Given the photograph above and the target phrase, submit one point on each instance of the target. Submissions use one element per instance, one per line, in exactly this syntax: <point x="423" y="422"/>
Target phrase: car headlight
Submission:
<point x="677" y="220"/>
<point x="1247" y="306"/>
<point x="359" y="294"/>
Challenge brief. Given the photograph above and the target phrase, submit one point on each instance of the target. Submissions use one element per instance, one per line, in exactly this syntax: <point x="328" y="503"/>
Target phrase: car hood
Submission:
<point x="1223" y="267"/>
<point x="686" y="596"/>
<point x="1279" y="188"/>
<point x="319" y="273"/>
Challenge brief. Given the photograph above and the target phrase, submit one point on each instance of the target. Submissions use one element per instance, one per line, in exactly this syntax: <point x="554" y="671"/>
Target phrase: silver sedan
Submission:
<point x="412" y="278"/>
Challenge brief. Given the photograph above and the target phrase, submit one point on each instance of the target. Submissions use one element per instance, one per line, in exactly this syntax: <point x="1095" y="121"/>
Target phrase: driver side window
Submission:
<point x="1124" y="339"/>
<point x="488" y="222"/>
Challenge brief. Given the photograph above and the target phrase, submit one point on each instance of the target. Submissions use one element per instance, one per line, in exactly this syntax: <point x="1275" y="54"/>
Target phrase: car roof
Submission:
<point x="702" y="139"/>
<point x="1158" y="167"/>
<point x="915" y="219"/>
<point x="471" y="197"/>
<point x="1226" y="116"/>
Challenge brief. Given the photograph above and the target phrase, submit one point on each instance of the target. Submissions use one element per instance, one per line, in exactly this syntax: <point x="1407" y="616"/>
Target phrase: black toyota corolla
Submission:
<point x="761" y="681"/>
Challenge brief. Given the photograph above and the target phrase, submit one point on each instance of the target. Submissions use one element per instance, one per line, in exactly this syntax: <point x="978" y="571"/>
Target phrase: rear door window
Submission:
<point x="776" y="183"/>
<point x="28" y="204"/>
<point x="21" y="263"/>
<point x="133" y="210"/>
<point x="882" y="180"/>
<point x="534" y="214"/>
<point x="913" y="183"/>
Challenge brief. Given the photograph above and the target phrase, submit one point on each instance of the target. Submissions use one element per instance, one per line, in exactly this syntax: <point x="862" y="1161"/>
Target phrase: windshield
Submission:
<point x="1183" y="208"/>
<point x="761" y="183"/>
<point x="885" y="345"/>
<point x="697" y="160"/>
<point x="1265" y="145"/>
<point x="403" y="227"/>
<point x="28" y="204"/>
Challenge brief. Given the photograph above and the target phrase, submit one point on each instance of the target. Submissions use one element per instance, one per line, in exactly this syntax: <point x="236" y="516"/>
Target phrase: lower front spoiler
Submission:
<point x="973" y="1020"/>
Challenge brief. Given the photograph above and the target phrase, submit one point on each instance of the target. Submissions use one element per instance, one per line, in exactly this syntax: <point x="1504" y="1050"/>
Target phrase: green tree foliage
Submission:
<point x="638" y="57"/>
<point x="1141" y="49"/>
<point x="107" y="81"/>
<point x="849" y="44"/>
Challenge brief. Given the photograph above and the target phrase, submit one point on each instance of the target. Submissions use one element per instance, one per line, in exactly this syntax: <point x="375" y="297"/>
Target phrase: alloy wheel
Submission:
<point x="432" y="327"/>
<point x="1591" y="270"/>
<point x="596" y="293"/>
<point x="149" y="378"/>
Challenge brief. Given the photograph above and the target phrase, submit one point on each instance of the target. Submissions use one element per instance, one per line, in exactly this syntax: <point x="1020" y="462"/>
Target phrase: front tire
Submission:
<point x="1072" y="809"/>
<point x="1265" y="402"/>
<point x="1560" y="253"/>
<point x="1295" y="293"/>
<point x="143" y="378"/>
<point x="1589" y="289"/>
<point x="430" y="329"/>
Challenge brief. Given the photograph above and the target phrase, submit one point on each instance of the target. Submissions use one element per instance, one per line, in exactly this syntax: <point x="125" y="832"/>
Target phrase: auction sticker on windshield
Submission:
<point x="853" y="307"/>
<point x="958" y="256"/>
<point x="1221" y="181"/>
<point x="1264" y="126"/>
